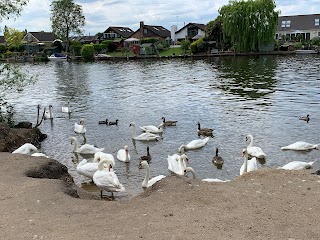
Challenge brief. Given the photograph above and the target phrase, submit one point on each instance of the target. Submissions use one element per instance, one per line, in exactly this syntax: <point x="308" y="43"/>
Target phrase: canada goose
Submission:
<point x="204" y="131"/>
<point x="146" y="157"/>
<point x="114" y="123"/>
<point x="217" y="160"/>
<point x="168" y="123"/>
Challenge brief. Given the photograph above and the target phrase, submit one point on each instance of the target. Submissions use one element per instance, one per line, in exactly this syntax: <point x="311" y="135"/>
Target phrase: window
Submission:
<point x="286" y="23"/>
<point x="110" y="35"/>
<point x="316" y="22"/>
<point x="318" y="34"/>
<point x="145" y="31"/>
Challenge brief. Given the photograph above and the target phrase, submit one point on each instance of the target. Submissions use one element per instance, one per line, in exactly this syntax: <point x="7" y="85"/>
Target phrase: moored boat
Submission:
<point x="58" y="57"/>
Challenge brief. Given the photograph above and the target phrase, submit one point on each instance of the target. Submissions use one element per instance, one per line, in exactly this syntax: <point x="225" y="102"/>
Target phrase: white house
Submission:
<point x="191" y="31"/>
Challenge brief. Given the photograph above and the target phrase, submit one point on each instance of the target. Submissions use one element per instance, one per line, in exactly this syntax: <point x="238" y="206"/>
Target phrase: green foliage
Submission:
<point x="316" y="41"/>
<point x="298" y="45"/>
<point x="112" y="47"/>
<point x="99" y="47"/>
<point x="185" y="44"/>
<point x="3" y="48"/>
<point x="13" y="36"/>
<point x="75" y="46"/>
<point x="149" y="40"/>
<point x="87" y="52"/>
<point x="198" y="46"/>
<point x="10" y="8"/>
<point x="66" y="18"/>
<point x="249" y="23"/>
<point x="160" y="47"/>
<point x="193" y="47"/>
<point x="7" y="113"/>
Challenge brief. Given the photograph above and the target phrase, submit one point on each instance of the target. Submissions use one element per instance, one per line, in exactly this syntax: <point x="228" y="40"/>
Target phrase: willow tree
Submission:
<point x="66" y="18"/>
<point x="250" y="23"/>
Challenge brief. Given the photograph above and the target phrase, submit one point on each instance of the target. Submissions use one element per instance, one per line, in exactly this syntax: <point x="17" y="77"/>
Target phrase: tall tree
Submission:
<point x="66" y="18"/>
<point x="249" y="23"/>
<point x="13" y="36"/>
<point x="10" y="8"/>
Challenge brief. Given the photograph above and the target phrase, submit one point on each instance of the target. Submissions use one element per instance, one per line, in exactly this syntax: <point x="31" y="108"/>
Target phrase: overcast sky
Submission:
<point x="101" y="14"/>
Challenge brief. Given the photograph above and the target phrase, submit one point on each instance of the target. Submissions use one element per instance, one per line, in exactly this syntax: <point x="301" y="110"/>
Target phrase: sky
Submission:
<point x="101" y="14"/>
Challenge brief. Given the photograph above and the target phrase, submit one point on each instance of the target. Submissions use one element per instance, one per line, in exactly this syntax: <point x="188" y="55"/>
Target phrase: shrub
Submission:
<point x="160" y="47"/>
<point x="193" y="47"/>
<point x="87" y="52"/>
<point x="112" y="47"/>
<point x="185" y="44"/>
<point x="3" y="48"/>
<point x="149" y="40"/>
<point x="297" y="45"/>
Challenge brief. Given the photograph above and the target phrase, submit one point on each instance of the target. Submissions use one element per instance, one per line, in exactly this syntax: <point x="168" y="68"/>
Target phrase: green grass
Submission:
<point x="171" y="52"/>
<point x="121" y="54"/>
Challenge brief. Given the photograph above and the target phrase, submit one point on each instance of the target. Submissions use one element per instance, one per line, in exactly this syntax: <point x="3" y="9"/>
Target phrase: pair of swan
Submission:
<point x="153" y="129"/>
<point x="147" y="136"/>
<point x="194" y="144"/>
<point x="204" y="131"/>
<point x="48" y="113"/>
<point x="190" y="169"/>
<point x="301" y="146"/>
<point x="80" y="128"/>
<point x="168" y="123"/>
<point x="87" y="169"/>
<point x="254" y="151"/>
<point x="66" y="109"/>
<point x="177" y="164"/>
<point x="26" y="148"/>
<point x="147" y="182"/>
<point x="248" y="165"/>
<point x="84" y="149"/>
<point x="106" y="179"/>
<point x="123" y="154"/>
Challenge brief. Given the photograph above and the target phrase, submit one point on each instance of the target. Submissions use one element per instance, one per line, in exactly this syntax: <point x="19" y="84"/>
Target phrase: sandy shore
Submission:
<point x="266" y="204"/>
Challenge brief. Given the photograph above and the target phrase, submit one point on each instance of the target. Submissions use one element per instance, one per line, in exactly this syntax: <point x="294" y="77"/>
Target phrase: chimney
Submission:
<point x="141" y="29"/>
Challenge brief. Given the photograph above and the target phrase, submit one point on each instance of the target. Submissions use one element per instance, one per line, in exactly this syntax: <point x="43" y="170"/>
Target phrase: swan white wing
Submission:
<point x="300" y="146"/>
<point x="198" y="143"/>
<point x="101" y="155"/>
<point x="256" y="152"/>
<point x="39" y="155"/>
<point x="88" y="149"/>
<point x="87" y="169"/>
<point x="149" y="128"/>
<point x="65" y="109"/>
<point x="174" y="164"/>
<point x="26" y="148"/>
<point x="297" y="165"/>
<point x="252" y="165"/>
<point x="121" y="155"/>
<point x="147" y="137"/>
<point x="108" y="181"/>
<point x="154" y="180"/>
<point x="242" y="169"/>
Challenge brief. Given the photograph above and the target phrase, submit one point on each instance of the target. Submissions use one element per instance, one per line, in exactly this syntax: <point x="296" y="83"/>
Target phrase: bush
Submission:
<point x="316" y="41"/>
<point x="160" y="47"/>
<point x="297" y="45"/>
<point x="112" y="47"/>
<point x="193" y="47"/>
<point x="185" y="44"/>
<point x="76" y="46"/>
<point x="3" y="48"/>
<point x="149" y="40"/>
<point x="87" y="52"/>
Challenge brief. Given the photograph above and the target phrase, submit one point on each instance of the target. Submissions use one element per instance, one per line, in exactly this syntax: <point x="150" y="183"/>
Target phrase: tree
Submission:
<point x="66" y="18"/>
<point x="10" y="8"/>
<point x="13" y="37"/>
<point x="249" y="23"/>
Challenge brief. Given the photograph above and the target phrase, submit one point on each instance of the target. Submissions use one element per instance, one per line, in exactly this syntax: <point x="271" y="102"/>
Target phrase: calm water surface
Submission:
<point x="263" y="96"/>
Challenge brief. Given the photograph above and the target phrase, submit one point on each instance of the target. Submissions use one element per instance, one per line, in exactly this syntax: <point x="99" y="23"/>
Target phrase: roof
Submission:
<point x="155" y="30"/>
<point x="122" y="31"/>
<point x="43" y="36"/>
<point x="193" y="25"/>
<point x="299" y="22"/>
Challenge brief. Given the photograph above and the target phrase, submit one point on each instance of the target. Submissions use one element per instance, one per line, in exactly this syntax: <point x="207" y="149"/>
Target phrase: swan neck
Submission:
<point x="251" y="141"/>
<point x="192" y="172"/>
<point x="103" y="161"/>
<point x="246" y="162"/>
<point x="75" y="143"/>
<point x="133" y="131"/>
<point x="146" y="178"/>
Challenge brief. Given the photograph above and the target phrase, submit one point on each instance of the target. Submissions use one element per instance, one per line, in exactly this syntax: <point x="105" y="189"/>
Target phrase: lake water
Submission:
<point x="262" y="95"/>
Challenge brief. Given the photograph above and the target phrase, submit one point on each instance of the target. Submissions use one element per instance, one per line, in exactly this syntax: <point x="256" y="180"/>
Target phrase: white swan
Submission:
<point x="147" y="136"/>
<point x="297" y="165"/>
<point x="84" y="149"/>
<point x="254" y="151"/>
<point x="153" y="129"/>
<point x="26" y="148"/>
<point x="177" y="164"/>
<point x="194" y="144"/>
<point x="86" y="168"/>
<point x="123" y="154"/>
<point x="66" y="109"/>
<point x="98" y="156"/>
<point x="248" y="165"/>
<point x="106" y="179"/>
<point x="190" y="169"/>
<point x="301" y="146"/>
<point x="48" y="113"/>
<point x="80" y="128"/>
<point x="38" y="154"/>
<point x="149" y="182"/>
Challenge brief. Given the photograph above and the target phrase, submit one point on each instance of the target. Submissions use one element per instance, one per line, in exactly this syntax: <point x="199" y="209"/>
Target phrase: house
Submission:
<point x="191" y="31"/>
<point x="150" y="31"/>
<point x="292" y="26"/>
<point x="42" y="37"/>
<point x="117" y="32"/>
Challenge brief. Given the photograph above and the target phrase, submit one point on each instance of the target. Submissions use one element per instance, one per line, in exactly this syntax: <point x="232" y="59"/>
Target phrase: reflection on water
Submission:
<point x="235" y="96"/>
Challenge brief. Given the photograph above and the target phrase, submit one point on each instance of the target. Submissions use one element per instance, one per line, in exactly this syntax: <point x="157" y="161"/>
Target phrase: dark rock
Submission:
<point x="27" y="125"/>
